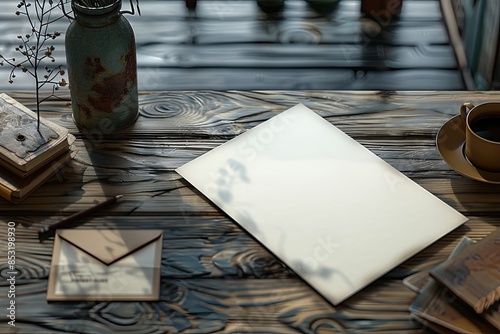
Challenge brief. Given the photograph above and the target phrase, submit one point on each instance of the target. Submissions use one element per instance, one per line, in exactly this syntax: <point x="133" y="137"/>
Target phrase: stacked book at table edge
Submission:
<point x="448" y="293"/>
<point x="29" y="155"/>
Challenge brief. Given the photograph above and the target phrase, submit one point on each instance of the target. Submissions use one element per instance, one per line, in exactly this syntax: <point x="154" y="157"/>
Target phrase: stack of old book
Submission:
<point x="30" y="153"/>
<point x="461" y="295"/>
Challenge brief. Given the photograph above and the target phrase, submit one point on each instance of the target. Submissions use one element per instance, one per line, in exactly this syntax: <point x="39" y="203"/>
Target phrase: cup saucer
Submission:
<point x="450" y="142"/>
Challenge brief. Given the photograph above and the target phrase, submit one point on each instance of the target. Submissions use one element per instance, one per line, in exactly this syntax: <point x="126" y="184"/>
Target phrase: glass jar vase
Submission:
<point x="102" y="69"/>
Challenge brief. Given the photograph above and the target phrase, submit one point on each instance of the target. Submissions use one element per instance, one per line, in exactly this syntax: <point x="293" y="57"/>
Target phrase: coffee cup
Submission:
<point x="482" y="135"/>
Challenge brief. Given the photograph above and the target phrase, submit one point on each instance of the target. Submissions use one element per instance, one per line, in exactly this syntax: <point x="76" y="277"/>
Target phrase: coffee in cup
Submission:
<point x="482" y="135"/>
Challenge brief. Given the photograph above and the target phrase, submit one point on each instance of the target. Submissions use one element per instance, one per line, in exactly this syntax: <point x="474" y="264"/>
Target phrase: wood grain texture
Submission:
<point x="215" y="276"/>
<point x="232" y="45"/>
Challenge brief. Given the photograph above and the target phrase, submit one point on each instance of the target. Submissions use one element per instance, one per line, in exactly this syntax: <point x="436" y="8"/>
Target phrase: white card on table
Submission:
<point x="331" y="210"/>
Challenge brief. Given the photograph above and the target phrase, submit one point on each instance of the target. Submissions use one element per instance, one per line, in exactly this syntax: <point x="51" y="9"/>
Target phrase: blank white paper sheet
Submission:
<point x="331" y="210"/>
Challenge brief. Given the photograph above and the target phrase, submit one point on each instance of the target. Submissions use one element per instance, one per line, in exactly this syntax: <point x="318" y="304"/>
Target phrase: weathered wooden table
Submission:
<point x="215" y="276"/>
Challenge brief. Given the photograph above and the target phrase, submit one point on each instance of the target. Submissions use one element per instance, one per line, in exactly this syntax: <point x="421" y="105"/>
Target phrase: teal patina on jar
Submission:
<point x="102" y="68"/>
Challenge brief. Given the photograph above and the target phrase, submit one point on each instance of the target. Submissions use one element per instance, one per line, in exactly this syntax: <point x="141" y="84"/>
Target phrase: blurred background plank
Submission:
<point x="232" y="44"/>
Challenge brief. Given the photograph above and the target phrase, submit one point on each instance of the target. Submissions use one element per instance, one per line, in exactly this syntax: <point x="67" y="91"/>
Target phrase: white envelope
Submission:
<point x="105" y="265"/>
<point x="331" y="210"/>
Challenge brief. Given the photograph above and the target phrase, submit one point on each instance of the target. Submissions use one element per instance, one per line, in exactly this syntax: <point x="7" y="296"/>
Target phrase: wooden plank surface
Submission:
<point x="232" y="45"/>
<point x="215" y="276"/>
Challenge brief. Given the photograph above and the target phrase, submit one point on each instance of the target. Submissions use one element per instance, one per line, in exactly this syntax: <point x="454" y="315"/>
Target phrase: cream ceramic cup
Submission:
<point x="482" y="135"/>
